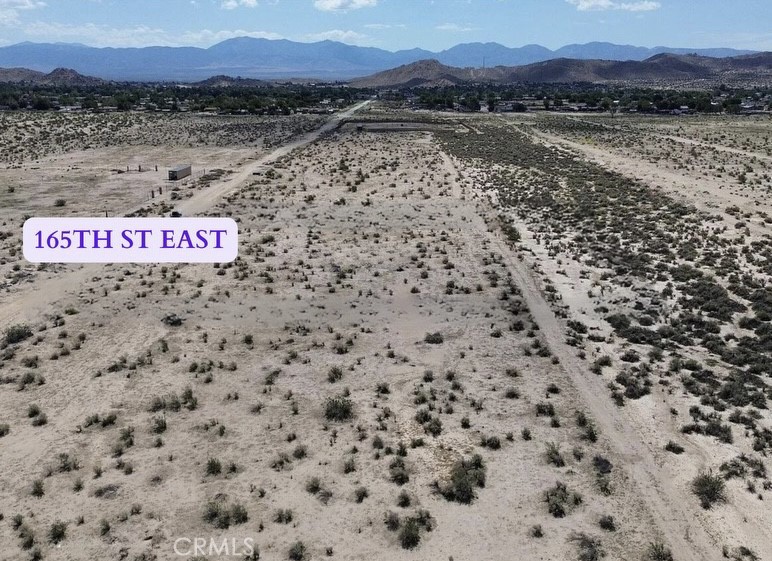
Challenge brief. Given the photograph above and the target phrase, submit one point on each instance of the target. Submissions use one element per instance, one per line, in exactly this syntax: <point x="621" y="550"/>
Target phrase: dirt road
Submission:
<point x="28" y="303"/>
<point x="669" y="505"/>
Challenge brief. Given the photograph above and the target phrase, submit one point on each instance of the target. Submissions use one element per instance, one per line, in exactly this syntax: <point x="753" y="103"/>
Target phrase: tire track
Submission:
<point x="679" y="525"/>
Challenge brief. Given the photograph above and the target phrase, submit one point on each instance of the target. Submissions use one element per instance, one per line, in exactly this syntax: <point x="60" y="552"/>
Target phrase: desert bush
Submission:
<point x="4" y="429"/>
<point x="158" y="425"/>
<point x="560" y="501"/>
<point x="313" y="485"/>
<point x="589" y="432"/>
<point x="674" y="447"/>
<point x="283" y="516"/>
<point x="740" y="553"/>
<point x="297" y="552"/>
<point x="338" y="409"/>
<point x="554" y="456"/>
<point x="391" y="519"/>
<point x="743" y="465"/>
<point x="465" y="475"/>
<point x="361" y="493"/>
<point x="435" y="338"/>
<point x="106" y="491"/>
<point x="398" y="472"/>
<point x="30" y="361"/>
<point x="433" y="427"/>
<point x="239" y="514"/>
<point x="709" y="488"/>
<point x="422" y="416"/>
<point x="409" y="534"/>
<point x="335" y="374"/>
<point x="213" y="466"/>
<point x="16" y="334"/>
<point x="545" y="410"/>
<point x="324" y="495"/>
<point x="590" y="547"/>
<point x="66" y="463"/>
<point x="658" y="551"/>
<point x="713" y="427"/>
<point x="607" y="523"/>
<point x="57" y="532"/>
<point x="221" y="516"/>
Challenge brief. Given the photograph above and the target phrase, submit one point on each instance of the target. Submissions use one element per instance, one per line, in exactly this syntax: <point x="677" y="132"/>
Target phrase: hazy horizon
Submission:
<point x="391" y="25"/>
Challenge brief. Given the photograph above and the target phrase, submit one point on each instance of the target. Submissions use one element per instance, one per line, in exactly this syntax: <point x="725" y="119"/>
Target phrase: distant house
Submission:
<point x="509" y="107"/>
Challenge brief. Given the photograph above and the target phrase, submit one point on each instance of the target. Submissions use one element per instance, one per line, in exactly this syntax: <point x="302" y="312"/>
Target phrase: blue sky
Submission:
<point x="392" y="24"/>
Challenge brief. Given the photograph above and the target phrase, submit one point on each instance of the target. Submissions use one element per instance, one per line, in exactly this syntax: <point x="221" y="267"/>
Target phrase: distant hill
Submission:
<point x="668" y="68"/>
<point x="271" y="59"/>
<point x="58" y="76"/>
<point x="223" y="81"/>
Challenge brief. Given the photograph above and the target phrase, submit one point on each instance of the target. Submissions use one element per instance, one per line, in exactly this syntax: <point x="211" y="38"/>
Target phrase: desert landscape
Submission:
<point x="446" y="336"/>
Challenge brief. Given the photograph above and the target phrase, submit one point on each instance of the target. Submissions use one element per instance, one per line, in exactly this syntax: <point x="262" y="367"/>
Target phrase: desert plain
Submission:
<point x="462" y="337"/>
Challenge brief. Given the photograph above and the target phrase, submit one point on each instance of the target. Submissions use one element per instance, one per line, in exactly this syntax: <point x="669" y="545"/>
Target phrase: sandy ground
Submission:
<point x="354" y="246"/>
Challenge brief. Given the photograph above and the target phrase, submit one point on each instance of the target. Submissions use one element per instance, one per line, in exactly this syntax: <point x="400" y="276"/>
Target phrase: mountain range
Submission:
<point x="660" y="69"/>
<point x="272" y="59"/>
<point x="58" y="77"/>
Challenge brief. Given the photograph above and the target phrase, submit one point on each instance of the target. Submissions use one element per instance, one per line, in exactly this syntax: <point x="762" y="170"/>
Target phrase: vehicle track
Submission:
<point x="668" y="504"/>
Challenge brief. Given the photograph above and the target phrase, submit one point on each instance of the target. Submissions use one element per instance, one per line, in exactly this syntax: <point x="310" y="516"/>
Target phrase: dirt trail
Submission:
<point x="717" y="147"/>
<point x="29" y="303"/>
<point x="205" y="199"/>
<point x="680" y="529"/>
<point x="687" y="189"/>
<point x="683" y="140"/>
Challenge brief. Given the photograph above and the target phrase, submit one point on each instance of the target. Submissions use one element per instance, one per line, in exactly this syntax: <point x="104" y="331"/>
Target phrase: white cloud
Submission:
<point x="233" y="4"/>
<point x="350" y="37"/>
<point x="9" y="9"/>
<point x="454" y="27"/>
<point x="746" y="40"/>
<point x="139" y="36"/>
<point x="343" y="5"/>
<point x="638" y="6"/>
<point x="384" y="25"/>
<point x="205" y="37"/>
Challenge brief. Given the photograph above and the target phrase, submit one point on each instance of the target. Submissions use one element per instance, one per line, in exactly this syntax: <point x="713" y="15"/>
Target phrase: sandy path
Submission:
<point x="717" y="147"/>
<point x="686" y="189"/>
<point x="667" y="503"/>
<point x="16" y="307"/>
<point x="682" y="140"/>
<point x="205" y="199"/>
